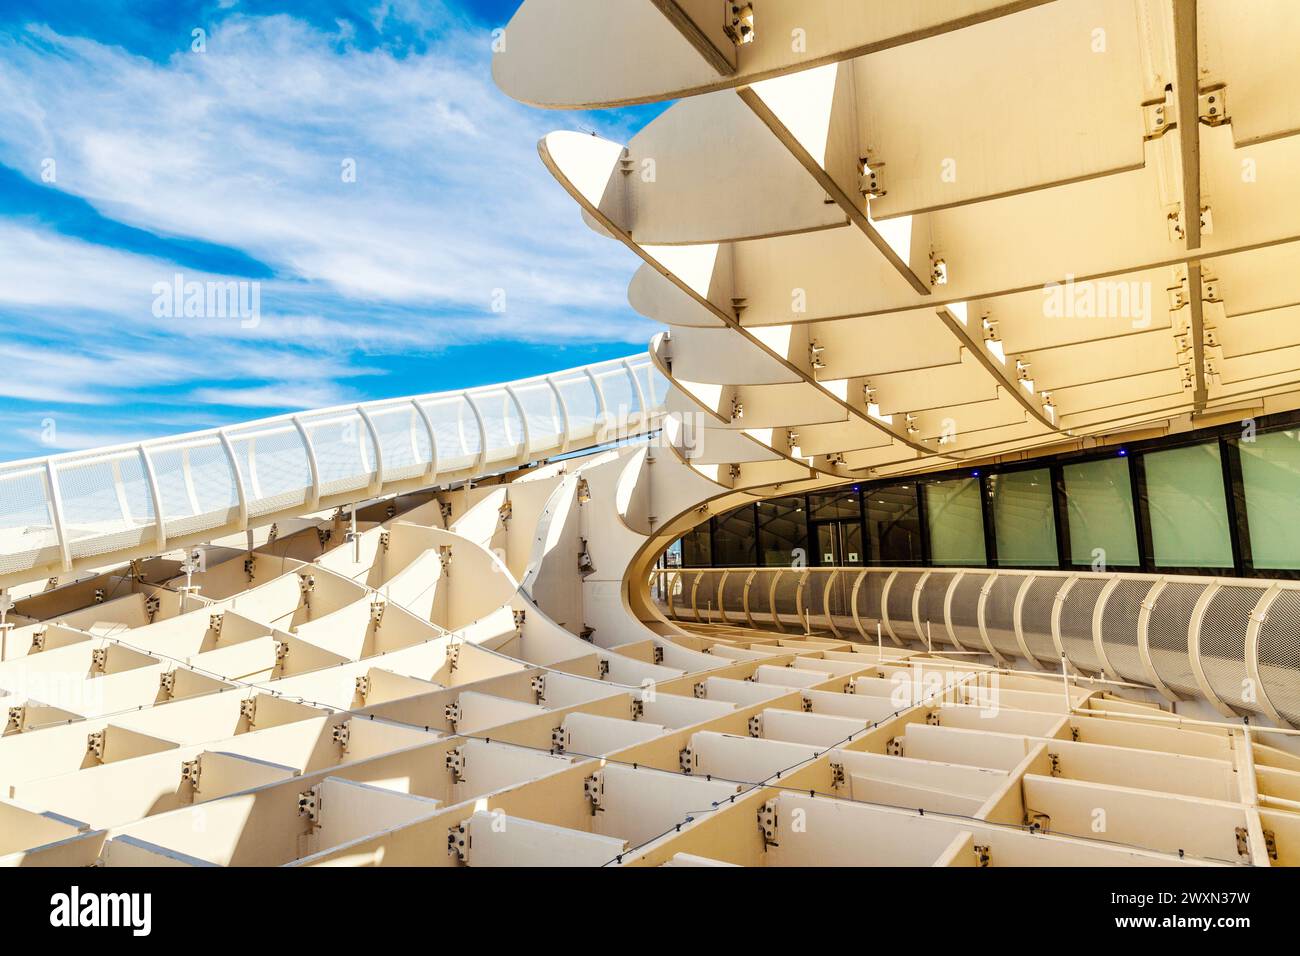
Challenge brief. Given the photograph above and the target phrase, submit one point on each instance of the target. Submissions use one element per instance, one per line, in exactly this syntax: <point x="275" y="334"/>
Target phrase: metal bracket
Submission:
<point x="98" y="660"/>
<point x="341" y="734"/>
<point x="190" y="771"/>
<point x="1159" y="116"/>
<point x="658" y="654"/>
<point x="456" y="843"/>
<point x="603" y="668"/>
<point x="38" y="640"/>
<point x="767" y="823"/>
<point x="248" y="710"/>
<point x="756" y="725"/>
<point x="894" y="747"/>
<point x="444" y="558"/>
<point x="167" y="683"/>
<point x="377" y="606"/>
<point x="17" y="717"/>
<point x="686" y="760"/>
<point x="872" y="181"/>
<point x="538" y="684"/>
<point x="520" y="617"/>
<point x="586" y="566"/>
<point x="701" y="689"/>
<point x="1037" y="821"/>
<point x="504" y="511"/>
<point x="932" y="718"/>
<point x="558" y="740"/>
<point x="983" y="854"/>
<point x="638" y="709"/>
<point x="1243" y="841"/>
<point x="584" y="491"/>
<point x="309" y="805"/>
<point x="362" y="684"/>
<point x="1055" y="760"/>
<point x="456" y="764"/>
<point x="95" y="745"/>
<point x="593" y="788"/>
<point x="806" y="704"/>
<point x="452" y="713"/>
<point x="214" y="624"/>
<point x="453" y="657"/>
<point x="1212" y="106"/>
<point x="1270" y="844"/>
<point x="837" y="774"/>
<point x="385" y="538"/>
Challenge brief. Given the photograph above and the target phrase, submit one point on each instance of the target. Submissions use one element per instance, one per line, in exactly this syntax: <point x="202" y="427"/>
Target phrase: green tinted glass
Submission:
<point x="1022" y="518"/>
<point x="1100" y="499"/>
<point x="1270" y="471"/>
<point x="955" y="521"/>
<point x="1189" y="514"/>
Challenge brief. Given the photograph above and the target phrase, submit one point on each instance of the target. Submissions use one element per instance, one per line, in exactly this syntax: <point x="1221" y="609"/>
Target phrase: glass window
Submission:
<point x="1189" y="514"/>
<point x="839" y="543"/>
<point x="734" y="538"/>
<point x="1023" y="520"/>
<point x="782" y="528"/>
<point x="1100" y="500"/>
<point x="1270" y="472"/>
<point x="954" y="517"/>
<point x="696" y="551"/>
<point x="893" y="525"/>
<point x="841" y="504"/>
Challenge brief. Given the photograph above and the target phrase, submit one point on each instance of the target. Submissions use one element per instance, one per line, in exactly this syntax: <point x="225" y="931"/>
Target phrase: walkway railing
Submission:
<point x="90" y="508"/>
<point x="1232" y="641"/>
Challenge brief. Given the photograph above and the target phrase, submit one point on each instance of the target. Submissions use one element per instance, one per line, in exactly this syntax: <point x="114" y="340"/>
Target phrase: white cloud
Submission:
<point x="242" y="147"/>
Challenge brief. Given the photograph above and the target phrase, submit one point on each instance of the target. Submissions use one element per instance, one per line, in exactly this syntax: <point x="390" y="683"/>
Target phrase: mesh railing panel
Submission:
<point x="1279" y="654"/>
<point x="1119" y="627"/>
<point x="933" y="594"/>
<point x="964" y="610"/>
<point x="27" y="533"/>
<point x="899" y="606"/>
<point x="867" y="601"/>
<point x="1036" y="617"/>
<point x="403" y="441"/>
<point x="275" y="467"/>
<point x="786" y="599"/>
<point x="999" y="608"/>
<point x="107" y="503"/>
<point x="1076" y="623"/>
<point x="1167" y="634"/>
<point x="345" y="454"/>
<point x="1223" y="643"/>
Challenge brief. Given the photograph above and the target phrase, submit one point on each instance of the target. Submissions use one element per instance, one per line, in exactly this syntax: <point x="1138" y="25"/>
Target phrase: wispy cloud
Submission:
<point x="450" y="234"/>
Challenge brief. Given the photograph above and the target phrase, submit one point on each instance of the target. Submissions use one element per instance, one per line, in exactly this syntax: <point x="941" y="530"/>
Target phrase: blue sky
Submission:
<point x="127" y="158"/>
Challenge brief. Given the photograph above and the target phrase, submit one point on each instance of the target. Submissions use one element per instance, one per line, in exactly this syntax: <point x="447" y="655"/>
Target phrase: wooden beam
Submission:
<point x="688" y="28"/>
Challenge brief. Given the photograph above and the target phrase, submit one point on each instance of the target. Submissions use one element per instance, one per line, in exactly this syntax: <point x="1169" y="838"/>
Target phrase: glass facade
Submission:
<point x="1187" y="507"/>
<point x="1024" y="519"/>
<point x="782" y="531"/>
<point x="1226" y="501"/>
<point x="735" y="538"/>
<point x="1103" y="526"/>
<point x="893" y="525"/>
<point x="1270" y="478"/>
<point x="955" y="519"/>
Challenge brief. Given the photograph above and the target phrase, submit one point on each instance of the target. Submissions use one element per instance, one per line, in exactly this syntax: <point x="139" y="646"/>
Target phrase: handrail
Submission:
<point x="88" y="508"/>
<point x="1094" y="630"/>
